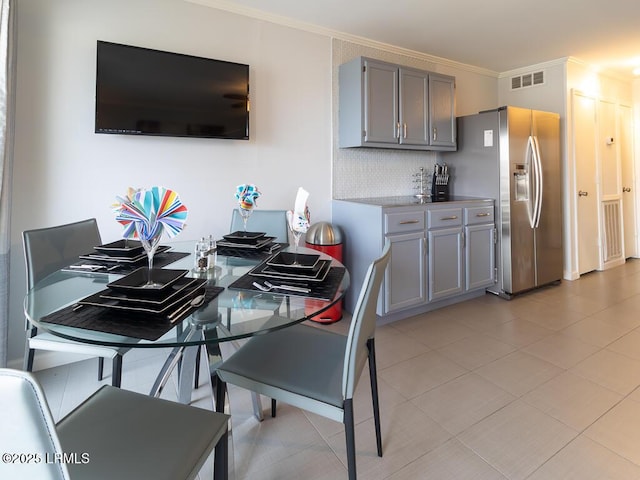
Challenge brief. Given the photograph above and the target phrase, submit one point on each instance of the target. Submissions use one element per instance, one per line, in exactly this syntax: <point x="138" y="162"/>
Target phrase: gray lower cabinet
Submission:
<point x="436" y="253"/>
<point x="405" y="279"/>
<point x="480" y="240"/>
<point x="405" y="282"/>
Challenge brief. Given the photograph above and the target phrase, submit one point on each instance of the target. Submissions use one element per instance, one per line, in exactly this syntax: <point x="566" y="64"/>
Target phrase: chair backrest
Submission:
<point x="28" y="430"/>
<point x="272" y="222"/>
<point x="363" y="323"/>
<point x="49" y="249"/>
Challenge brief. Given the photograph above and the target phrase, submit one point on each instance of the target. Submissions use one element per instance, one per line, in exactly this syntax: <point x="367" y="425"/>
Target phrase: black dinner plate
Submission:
<point x="98" y="257"/>
<point x="178" y="288"/>
<point x="136" y="280"/>
<point x="261" y="243"/>
<point x="244" y="237"/>
<point x="121" y="248"/>
<point x="99" y="300"/>
<point x="293" y="261"/>
<point x="317" y="274"/>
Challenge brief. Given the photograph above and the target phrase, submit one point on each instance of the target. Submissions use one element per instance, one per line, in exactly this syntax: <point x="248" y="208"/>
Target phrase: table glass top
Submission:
<point x="235" y="313"/>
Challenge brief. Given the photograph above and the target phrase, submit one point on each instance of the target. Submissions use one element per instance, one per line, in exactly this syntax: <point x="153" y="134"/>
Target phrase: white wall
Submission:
<point x="65" y="172"/>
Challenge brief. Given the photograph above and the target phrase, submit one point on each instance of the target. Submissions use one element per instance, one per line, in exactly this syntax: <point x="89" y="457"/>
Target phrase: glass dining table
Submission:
<point x="236" y="305"/>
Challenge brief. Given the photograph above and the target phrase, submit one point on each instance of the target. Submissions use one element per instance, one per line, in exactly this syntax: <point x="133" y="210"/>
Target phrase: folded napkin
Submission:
<point x="299" y="217"/>
<point x="247" y="194"/>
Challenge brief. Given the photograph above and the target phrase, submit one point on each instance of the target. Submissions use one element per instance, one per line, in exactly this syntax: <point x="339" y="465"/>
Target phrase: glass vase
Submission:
<point x="150" y="241"/>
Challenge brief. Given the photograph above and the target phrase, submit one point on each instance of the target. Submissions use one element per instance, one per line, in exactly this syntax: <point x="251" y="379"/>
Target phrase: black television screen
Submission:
<point x="140" y="91"/>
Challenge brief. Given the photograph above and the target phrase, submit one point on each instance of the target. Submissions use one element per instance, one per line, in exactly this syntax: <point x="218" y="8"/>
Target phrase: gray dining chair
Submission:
<point x="313" y="368"/>
<point x="47" y="250"/>
<point x="113" y="434"/>
<point x="272" y="222"/>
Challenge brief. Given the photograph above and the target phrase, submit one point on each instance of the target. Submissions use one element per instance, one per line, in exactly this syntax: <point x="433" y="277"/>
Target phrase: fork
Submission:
<point x="267" y="287"/>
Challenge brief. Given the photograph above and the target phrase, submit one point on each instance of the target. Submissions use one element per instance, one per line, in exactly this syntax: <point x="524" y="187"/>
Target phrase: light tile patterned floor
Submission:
<point x="541" y="387"/>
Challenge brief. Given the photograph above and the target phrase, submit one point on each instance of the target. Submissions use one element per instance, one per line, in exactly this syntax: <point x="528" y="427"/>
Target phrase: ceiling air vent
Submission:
<point x="527" y="80"/>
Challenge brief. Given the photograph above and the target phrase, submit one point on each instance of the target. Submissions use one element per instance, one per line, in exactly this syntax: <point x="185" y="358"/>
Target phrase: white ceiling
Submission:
<point x="498" y="35"/>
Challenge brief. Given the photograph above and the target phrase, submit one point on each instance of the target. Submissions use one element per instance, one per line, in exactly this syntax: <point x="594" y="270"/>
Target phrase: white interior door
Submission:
<point x="584" y="152"/>
<point x="625" y="135"/>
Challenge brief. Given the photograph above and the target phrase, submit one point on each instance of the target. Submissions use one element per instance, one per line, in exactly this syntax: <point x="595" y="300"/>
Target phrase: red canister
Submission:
<point x="326" y="238"/>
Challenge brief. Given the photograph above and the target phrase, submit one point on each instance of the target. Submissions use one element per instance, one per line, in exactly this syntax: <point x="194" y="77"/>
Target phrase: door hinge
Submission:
<point x="495" y="236"/>
<point x="495" y="275"/>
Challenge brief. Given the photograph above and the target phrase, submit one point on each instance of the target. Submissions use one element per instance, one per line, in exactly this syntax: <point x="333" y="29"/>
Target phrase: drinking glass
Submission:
<point x="245" y="214"/>
<point x="296" y="241"/>
<point x="150" y="241"/>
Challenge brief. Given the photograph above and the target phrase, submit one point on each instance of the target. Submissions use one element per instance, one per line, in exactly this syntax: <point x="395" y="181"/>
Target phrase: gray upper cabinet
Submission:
<point x="442" y="101"/>
<point x="384" y="105"/>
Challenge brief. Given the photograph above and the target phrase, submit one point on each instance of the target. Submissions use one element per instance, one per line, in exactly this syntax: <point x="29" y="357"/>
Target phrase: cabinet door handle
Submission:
<point x="452" y="217"/>
<point x="398" y="126"/>
<point x="482" y="214"/>
<point x="435" y="134"/>
<point x="408" y="222"/>
<point x="404" y="130"/>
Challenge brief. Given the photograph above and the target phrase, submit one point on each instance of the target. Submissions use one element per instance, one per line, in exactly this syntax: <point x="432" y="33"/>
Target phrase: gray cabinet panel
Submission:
<point x="414" y="107"/>
<point x="442" y="122"/>
<point x="380" y="102"/>
<point x="405" y="279"/>
<point x="479" y="256"/>
<point x="445" y="262"/>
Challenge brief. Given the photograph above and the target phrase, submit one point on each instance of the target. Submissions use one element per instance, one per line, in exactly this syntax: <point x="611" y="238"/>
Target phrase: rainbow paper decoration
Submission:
<point x="154" y="210"/>
<point x="247" y="194"/>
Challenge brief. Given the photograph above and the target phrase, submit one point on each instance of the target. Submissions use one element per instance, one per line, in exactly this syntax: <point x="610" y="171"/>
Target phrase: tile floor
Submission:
<point x="544" y="386"/>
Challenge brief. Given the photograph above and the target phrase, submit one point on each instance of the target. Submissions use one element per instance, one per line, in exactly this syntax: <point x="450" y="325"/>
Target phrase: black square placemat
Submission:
<point x="324" y="290"/>
<point x="136" y="325"/>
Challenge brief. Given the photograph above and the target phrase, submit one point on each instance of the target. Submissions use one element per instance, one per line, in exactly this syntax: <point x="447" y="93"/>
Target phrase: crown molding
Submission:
<point x="335" y="34"/>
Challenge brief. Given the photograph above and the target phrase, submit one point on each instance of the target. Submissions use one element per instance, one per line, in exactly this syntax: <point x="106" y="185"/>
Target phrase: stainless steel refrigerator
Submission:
<point x="513" y="155"/>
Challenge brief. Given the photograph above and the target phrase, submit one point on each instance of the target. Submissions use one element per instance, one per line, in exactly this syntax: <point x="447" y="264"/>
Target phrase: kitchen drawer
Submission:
<point x="446" y="217"/>
<point x="399" y="222"/>
<point x="475" y="215"/>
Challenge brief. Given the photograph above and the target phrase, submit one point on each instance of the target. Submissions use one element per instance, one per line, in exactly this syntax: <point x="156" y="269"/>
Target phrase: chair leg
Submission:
<point x="374" y="392"/>
<point x="350" y="437"/>
<point x="100" y="368"/>
<point x="196" y="376"/>
<point x="116" y="372"/>
<point x="221" y="456"/>
<point x="28" y="359"/>
<point x="273" y="407"/>
<point x="29" y="352"/>
<point x="219" y="388"/>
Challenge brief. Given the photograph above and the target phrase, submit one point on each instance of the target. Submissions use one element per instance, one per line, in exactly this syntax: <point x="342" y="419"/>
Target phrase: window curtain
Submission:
<point x="7" y="73"/>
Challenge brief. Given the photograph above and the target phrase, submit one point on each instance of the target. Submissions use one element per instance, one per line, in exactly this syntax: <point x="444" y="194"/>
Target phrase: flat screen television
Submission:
<point x="140" y="91"/>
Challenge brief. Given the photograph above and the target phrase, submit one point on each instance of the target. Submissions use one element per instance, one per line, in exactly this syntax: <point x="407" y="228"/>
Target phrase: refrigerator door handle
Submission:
<point x="530" y="168"/>
<point x="539" y="184"/>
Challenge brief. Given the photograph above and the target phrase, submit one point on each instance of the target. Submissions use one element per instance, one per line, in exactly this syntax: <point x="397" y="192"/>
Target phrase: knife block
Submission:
<point x="439" y="188"/>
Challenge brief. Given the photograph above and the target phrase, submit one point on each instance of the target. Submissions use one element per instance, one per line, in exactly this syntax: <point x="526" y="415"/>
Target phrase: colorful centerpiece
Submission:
<point x="147" y="213"/>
